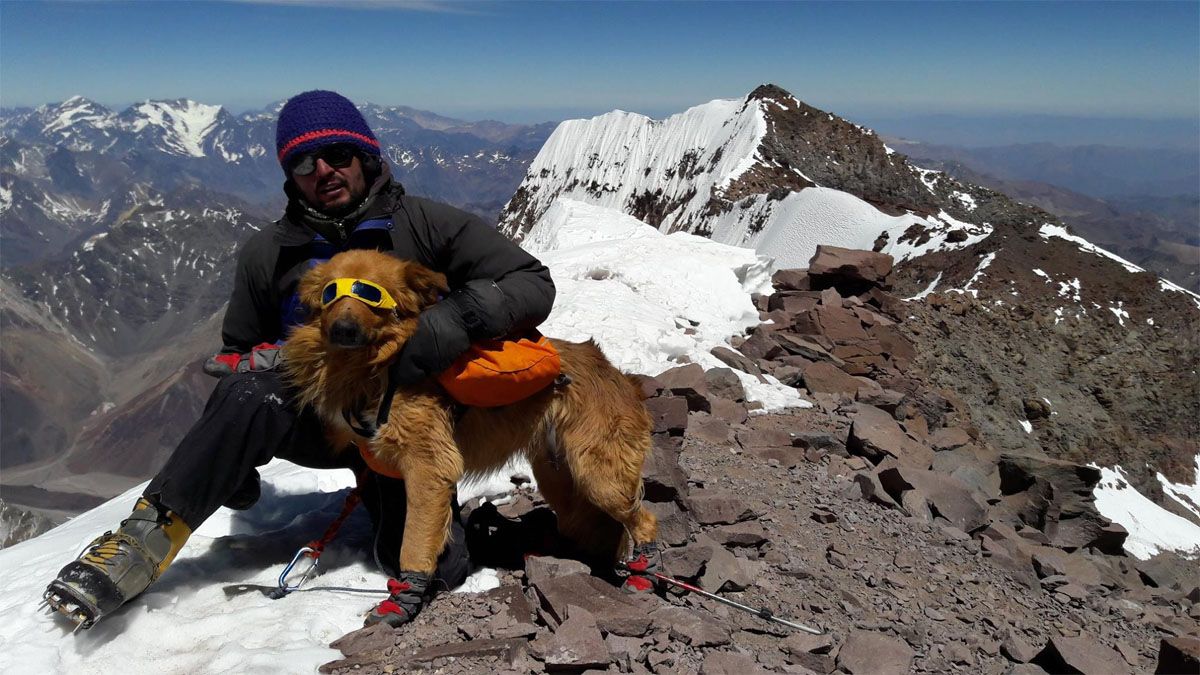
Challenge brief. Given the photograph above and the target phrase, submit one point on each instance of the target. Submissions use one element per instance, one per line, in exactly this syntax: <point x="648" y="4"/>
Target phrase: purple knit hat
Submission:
<point x="317" y="118"/>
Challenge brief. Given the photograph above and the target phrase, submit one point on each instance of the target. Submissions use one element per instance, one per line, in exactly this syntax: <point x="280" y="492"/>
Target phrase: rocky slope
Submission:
<point x="881" y="515"/>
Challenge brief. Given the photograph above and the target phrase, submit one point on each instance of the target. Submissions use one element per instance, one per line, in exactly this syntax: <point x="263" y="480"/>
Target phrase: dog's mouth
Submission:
<point x="347" y="334"/>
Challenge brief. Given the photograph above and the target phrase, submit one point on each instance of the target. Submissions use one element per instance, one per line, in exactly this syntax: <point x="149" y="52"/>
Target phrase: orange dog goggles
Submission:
<point x="360" y="289"/>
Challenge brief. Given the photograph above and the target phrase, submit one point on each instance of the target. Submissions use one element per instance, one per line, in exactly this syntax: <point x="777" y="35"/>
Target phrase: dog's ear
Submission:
<point x="427" y="284"/>
<point x="312" y="285"/>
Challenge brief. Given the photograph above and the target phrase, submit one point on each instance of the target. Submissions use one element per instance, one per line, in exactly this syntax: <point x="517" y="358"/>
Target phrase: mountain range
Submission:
<point x="121" y="263"/>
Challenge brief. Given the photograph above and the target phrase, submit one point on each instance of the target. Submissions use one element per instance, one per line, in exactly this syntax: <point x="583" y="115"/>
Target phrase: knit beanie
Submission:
<point x="317" y="118"/>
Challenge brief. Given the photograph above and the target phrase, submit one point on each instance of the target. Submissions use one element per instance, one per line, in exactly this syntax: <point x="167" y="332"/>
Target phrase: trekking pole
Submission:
<point x="762" y="613"/>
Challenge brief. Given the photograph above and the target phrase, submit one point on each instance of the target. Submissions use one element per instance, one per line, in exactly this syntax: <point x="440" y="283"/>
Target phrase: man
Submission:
<point x="340" y="196"/>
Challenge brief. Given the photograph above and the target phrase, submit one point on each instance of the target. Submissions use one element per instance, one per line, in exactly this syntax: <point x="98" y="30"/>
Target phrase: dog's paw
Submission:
<point x="640" y="568"/>
<point x="406" y="597"/>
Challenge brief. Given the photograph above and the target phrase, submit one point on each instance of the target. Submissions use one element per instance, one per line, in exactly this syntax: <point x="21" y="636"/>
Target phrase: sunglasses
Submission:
<point x="360" y="289"/>
<point x="336" y="156"/>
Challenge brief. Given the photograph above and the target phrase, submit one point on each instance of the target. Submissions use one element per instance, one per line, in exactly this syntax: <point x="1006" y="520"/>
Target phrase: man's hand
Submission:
<point x="446" y="330"/>
<point x="266" y="356"/>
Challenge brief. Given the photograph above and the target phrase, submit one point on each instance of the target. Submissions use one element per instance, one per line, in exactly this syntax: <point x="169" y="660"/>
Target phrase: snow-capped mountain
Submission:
<point x="780" y="176"/>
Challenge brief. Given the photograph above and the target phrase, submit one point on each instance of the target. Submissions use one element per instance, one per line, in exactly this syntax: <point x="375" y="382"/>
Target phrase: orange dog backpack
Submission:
<point x="501" y="372"/>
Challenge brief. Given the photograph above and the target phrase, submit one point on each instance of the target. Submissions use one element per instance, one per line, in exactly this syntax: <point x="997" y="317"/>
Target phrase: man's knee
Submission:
<point x="252" y="388"/>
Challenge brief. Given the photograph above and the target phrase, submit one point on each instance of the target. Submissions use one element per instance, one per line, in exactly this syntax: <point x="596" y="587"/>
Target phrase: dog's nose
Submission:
<point x="346" y="333"/>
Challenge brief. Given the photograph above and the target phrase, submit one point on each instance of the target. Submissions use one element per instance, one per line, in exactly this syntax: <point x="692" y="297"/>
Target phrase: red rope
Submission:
<point x="352" y="500"/>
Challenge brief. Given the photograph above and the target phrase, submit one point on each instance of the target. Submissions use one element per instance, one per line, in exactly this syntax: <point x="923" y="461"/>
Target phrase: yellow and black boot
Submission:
<point x="119" y="565"/>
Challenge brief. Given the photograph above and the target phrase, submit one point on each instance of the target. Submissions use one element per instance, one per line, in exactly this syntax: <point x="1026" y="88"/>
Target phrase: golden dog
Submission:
<point x="586" y="441"/>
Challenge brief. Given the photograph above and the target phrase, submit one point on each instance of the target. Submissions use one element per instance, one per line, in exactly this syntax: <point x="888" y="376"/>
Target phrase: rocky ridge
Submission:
<point x="882" y="515"/>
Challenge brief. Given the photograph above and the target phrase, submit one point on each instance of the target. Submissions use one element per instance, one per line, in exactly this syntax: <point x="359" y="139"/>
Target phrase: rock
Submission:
<point x="1079" y="655"/>
<point x="366" y="640"/>
<point x="851" y="265"/>
<point x="949" y="438"/>
<point x="539" y="568"/>
<point x="576" y="644"/>
<point x="806" y="348"/>
<point x="1015" y="648"/>
<point x="872" y="490"/>
<point x="884" y="399"/>
<point x="838" y="324"/>
<point x="824" y="517"/>
<point x="688" y="381"/>
<point x="792" y="303"/>
<point x="711" y="507"/>
<point x="736" y="360"/>
<point x="1178" y="655"/>
<point x="1035" y="409"/>
<point x="761" y="346"/>
<point x="662" y="477"/>
<point x="790" y="280"/>
<point x="723" y="383"/>
<point x="650" y="387"/>
<point x="625" y="651"/>
<point x="708" y="429"/>
<point x="614" y="611"/>
<point x="764" y="438"/>
<point x="688" y="561"/>
<point x="805" y="643"/>
<point x="725" y="571"/>
<point x="672" y="522"/>
<point x="506" y="650"/>
<point x="668" y="413"/>
<point x="950" y="499"/>
<point x="730" y="663"/>
<point x="827" y="378"/>
<point x="1166" y="570"/>
<point x="1055" y="493"/>
<point x="747" y="533"/>
<point x="1049" y="561"/>
<point x="868" y="652"/>
<point x="874" y="434"/>
<point x="691" y="627"/>
<point x="732" y="412"/>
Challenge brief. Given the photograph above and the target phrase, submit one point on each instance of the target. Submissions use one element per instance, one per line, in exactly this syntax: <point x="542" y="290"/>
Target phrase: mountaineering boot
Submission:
<point x="118" y="565"/>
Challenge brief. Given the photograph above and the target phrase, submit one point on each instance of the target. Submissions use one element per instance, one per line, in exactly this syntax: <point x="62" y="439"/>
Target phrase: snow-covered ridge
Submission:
<point x="185" y="124"/>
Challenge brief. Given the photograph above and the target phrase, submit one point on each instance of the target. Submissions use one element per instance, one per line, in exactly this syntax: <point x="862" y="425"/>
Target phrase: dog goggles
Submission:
<point x="336" y="156"/>
<point x="360" y="289"/>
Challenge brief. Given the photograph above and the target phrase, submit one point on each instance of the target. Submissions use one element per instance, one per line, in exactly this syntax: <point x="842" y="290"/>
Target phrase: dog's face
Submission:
<point x="351" y="321"/>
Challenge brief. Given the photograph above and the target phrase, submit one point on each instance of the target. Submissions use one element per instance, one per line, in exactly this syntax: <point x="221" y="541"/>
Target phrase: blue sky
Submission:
<point x="530" y="61"/>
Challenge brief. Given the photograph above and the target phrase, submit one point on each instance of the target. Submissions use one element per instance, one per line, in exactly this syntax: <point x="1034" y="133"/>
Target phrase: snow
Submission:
<point x="983" y="264"/>
<point x="633" y="290"/>
<point x="186" y="123"/>
<point x="620" y="281"/>
<point x="6" y="199"/>
<point x="1151" y="527"/>
<point x="1027" y="426"/>
<point x="1120" y="312"/>
<point x="1188" y="496"/>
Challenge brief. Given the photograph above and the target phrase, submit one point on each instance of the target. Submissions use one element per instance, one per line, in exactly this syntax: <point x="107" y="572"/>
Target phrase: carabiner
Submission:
<point x="286" y="587"/>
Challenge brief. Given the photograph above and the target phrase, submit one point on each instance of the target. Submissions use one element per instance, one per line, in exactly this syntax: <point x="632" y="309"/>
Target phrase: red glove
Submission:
<point x="266" y="356"/>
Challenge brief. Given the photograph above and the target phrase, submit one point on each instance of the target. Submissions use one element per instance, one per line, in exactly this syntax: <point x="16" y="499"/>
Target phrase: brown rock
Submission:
<point x="506" y="650"/>
<point x="1179" y="655"/>
<point x="735" y="360"/>
<point x="749" y="533"/>
<point x="709" y="429"/>
<point x="540" y="568"/>
<point x="839" y="324"/>
<point x="366" y="640"/>
<point x="1080" y="655"/>
<point x="662" y="477"/>
<point x="725" y="571"/>
<point x="827" y="378"/>
<point x="792" y="303"/>
<point x="790" y="280"/>
<point x="730" y="411"/>
<point x="711" y="507"/>
<point x="764" y="438"/>
<point x="669" y="414"/>
<point x="949" y="438"/>
<point x="724" y="383"/>
<point x="885" y="399"/>
<point x="806" y="643"/>
<point x="692" y="628"/>
<point x="805" y="348"/>
<point x="866" y="652"/>
<point x="760" y="345"/>
<point x="1016" y="648"/>
<point x="614" y="611"/>
<point x="672" y="522"/>
<point x="730" y="663"/>
<point x="687" y="561"/>
<point x="850" y="264"/>
<point x="951" y="499"/>
<point x="576" y="644"/>
<point x="874" y="434"/>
